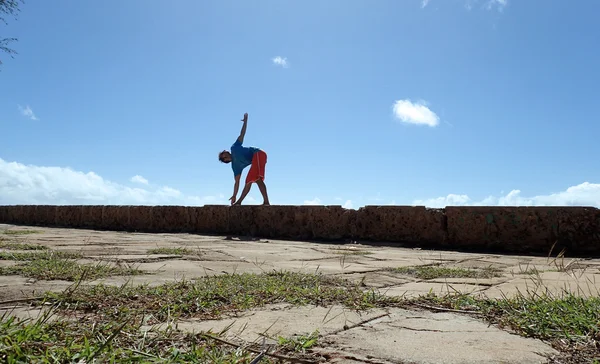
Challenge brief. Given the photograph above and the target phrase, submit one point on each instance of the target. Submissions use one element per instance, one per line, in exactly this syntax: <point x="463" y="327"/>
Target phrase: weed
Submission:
<point x="527" y="270"/>
<point x="541" y="316"/>
<point x="300" y="343"/>
<point x="42" y="255"/>
<point x="53" y="265"/>
<point x="568" y="322"/>
<point x="61" y="341"/>
<point x="434" y="271"/>
<point x="173" y="251"/>
<point x="350" y="251"/>
<point x="211" y="296"/>
<point x="20" y="246"/>
<point x="20" y="232"/>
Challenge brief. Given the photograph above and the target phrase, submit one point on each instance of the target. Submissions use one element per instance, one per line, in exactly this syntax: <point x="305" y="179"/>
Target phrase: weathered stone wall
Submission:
<point x="524" y="230"/>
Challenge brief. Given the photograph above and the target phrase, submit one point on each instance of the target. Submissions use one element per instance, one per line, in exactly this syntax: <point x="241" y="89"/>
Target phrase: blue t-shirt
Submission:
<point x="241" y="157"/>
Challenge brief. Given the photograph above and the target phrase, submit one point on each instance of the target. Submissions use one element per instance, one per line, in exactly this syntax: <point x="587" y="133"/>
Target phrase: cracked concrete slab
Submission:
<point x="376" y="279"/>
<point x="282" y="320"/>
<point x="437" y="338"/>
<point x="554" y="284"/>
<point x="416" y="289"/>
<point x="17" y="287"/>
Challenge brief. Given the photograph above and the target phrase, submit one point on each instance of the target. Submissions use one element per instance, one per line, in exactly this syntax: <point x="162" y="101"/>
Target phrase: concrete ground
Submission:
<point x="377" y="336"/>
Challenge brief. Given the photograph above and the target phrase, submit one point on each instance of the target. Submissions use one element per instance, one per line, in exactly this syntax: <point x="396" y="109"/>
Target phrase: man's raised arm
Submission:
<point x="243" y="132"/>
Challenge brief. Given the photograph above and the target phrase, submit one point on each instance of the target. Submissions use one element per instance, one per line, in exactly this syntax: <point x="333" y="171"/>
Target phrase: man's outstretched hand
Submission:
<point x="232" y="199"/>
<point x="245" y="117"/>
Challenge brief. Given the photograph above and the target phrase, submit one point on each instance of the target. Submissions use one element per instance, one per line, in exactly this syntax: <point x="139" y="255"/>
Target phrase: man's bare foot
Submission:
<point x="266" y="204"/>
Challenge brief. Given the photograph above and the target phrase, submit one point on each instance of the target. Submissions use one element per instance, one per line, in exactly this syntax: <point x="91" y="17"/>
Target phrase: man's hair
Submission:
<point x="220" y="156"/>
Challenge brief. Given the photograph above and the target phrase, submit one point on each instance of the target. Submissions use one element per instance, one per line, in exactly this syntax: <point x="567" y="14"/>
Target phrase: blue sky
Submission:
<point x="439" y="102"/>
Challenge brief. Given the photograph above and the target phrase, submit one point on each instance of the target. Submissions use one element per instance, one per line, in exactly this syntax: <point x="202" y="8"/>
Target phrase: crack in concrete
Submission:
<point x="359" y="324"/>
<point x="482" y="260"/>
<point x="136" y="260"/>
<point x="482" y="284"/>
<point x="225" y="253"/>
<point x="355" y="272"/>
<point x="432" y="330"/>
<point x="341" y="354"/>
<point x="425" y="318"/>
<point x="312" y="259"/>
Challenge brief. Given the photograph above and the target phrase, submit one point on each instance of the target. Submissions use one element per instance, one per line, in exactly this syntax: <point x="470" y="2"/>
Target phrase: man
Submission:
<point x="241" y="157"/>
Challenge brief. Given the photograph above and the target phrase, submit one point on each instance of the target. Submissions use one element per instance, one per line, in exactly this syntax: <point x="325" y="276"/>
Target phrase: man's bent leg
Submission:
<point x="263" y="190"/>
<point x="244" y="193"/>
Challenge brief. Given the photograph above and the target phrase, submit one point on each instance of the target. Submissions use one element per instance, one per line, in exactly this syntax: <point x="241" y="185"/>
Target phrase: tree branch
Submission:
<point x="9" y="8"/>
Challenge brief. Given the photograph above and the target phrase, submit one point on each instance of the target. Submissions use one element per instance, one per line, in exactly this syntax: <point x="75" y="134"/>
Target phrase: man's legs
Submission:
<point x="263" y="190"/>
<point x="256" y="174"/>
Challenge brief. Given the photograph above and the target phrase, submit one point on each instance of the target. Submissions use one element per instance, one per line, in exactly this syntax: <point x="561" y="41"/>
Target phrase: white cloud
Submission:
<point x="415" y="113"/>
<point x="488" y="4"/>
<point x="424" y="3"/>
<point x="377" y="198"/>
<point x="499" y="4"/>
<point x="584" y="194"/>
<point x="315" y="201"/>
<point x="27" y="112"/>
<point x="29" y="184"/>
<point x="280" y="61"/>
<point x="139" y="179"/>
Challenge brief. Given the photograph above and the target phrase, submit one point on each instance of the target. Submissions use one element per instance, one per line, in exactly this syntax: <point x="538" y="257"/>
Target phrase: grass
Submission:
<point x="20" y="246"/>
<point x="55" y="265"/>
<point x="212" y="296"/>
<point x="104" y="322"/>
<point x="531" y="271"/>
<point x="20" y="232"/>
<point x="350" y="252"/>
<point x="433" y="271"/>
<point x="173" y="251"/>
<point x="299" y="343"/>
<point x="570" y="323"/>
<point x="41" y="255"/>
<point x="543" y="316"/>
<point x="42" y="341"/>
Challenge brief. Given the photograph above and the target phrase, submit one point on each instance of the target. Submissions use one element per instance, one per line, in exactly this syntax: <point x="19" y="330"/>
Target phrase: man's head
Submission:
<point x="225" y="156"/>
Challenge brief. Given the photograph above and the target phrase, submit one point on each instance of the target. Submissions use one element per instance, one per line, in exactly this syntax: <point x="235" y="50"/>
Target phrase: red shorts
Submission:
<point x="257" y="170"/>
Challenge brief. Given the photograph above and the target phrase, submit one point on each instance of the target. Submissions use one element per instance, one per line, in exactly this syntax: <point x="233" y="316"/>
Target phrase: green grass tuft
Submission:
<point x="210" y="297"/>
<point x="432" y="272"/>
<point x="173" y="251"/>
<point x="60" y="341"/>
<point x="542" y="316"/>
<point x="20" y="246"/>
<point x="20" y="232"/>
<point x="41" y="255"/>
<point x="570" y="322"/>
<point x="350" y="251"/>
<point x="56" y="265"/>
<point x="299" y="343"/>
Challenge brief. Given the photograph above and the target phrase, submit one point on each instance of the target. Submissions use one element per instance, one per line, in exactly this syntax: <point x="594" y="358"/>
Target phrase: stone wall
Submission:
<point x="524" y="230"/>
